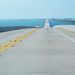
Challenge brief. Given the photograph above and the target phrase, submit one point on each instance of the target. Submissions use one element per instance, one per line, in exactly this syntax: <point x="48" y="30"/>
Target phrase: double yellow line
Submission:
<point x="11" y="43"/>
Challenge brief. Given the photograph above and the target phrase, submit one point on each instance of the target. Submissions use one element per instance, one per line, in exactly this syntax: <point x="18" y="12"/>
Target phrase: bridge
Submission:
<point x="44" y="51"/>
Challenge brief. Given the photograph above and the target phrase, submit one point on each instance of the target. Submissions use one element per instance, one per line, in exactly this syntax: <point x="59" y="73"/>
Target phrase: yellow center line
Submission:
<point x="11" y="43"/>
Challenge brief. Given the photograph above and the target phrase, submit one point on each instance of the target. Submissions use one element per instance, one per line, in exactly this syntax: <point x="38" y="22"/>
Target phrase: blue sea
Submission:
<point x="55" y="23"/>
<point x="22" y="22"/>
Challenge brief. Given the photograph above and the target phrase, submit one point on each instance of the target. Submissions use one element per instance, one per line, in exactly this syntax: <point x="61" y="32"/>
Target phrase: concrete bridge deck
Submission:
<point x="45" y="52"/>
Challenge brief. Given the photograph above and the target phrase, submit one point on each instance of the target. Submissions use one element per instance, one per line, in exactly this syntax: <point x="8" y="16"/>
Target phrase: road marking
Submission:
<point x="66" y="36"/>
<point x="11" y="43"/>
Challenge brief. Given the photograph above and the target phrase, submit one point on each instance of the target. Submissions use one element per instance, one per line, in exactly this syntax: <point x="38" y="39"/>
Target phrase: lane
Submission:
<point x="67" y="32"/>
<point x="11" y="43"/>
<point x="66" y="36"/>
<point x="6" y="37"/>
<point x="45" y="52"/>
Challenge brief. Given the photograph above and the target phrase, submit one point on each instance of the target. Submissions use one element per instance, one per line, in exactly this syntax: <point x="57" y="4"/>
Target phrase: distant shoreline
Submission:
<point x="64" y="21"/>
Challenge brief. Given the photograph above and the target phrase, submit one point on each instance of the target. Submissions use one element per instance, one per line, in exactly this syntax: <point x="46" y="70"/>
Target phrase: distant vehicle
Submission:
<point x="38" y="26"/>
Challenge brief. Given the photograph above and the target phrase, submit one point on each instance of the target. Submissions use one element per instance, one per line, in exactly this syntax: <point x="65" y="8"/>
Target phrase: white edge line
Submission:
<point x="66" y="35"/>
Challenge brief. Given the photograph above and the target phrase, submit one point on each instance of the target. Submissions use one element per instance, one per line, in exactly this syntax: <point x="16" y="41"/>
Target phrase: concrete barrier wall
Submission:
<point x="67" y="27"/>
<point x="2" y="29"/>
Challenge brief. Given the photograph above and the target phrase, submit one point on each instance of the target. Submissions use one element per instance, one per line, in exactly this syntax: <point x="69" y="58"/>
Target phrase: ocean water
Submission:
<point x="22" y="22"/>
<point x="55" y="23"/>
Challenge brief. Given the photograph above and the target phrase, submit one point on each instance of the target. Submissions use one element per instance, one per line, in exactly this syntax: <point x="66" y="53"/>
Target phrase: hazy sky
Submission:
<point x="36" y="9"/>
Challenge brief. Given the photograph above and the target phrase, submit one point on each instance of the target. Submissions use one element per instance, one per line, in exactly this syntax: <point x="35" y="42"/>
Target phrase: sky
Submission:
<point x="37" y="9"/>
